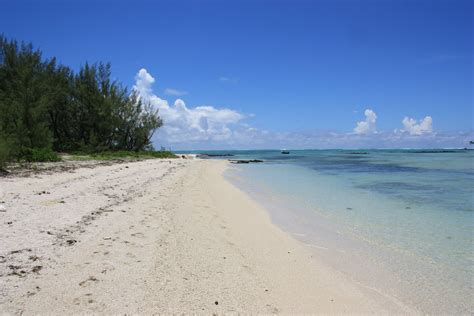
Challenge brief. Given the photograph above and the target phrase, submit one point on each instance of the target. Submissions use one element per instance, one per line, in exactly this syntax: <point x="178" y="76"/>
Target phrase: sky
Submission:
<point x="275" y="74"/>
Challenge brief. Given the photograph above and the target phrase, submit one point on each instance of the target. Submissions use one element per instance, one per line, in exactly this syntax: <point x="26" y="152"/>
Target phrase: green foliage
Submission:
<point x="39" y="155"/>
<point x="4" y="153"/>
<point x="114" y="155"/>
<point x="46" y="106"/>
<point x="22" y="108"/>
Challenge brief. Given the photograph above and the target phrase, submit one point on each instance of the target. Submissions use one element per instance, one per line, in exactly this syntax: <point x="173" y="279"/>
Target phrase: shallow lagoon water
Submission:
<point x="399" y="222"/>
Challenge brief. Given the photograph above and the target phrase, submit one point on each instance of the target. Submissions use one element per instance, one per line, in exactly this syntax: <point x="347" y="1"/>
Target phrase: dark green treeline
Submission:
<point x="47" y="106"/>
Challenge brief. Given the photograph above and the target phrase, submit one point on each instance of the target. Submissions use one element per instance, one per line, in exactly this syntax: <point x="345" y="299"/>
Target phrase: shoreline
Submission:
<point x="158" y="236"/>
<point x="326" y="239"/>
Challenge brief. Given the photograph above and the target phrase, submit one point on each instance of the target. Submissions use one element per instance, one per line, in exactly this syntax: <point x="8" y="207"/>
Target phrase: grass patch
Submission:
<point x="116" y="155"/>
<point x="40" y="155"/>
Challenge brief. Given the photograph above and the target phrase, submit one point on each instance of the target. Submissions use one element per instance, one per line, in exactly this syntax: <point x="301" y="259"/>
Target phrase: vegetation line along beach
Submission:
<point x="46" y="107"/>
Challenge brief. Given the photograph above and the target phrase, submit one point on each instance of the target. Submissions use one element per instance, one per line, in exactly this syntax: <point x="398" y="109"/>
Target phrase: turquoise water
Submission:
<point x="399" y="222"/>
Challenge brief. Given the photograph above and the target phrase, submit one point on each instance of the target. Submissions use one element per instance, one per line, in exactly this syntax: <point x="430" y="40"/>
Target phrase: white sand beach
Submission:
<point x="157" y="236"/>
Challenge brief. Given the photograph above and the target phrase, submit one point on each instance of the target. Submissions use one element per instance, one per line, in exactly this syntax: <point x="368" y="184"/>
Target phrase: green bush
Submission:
<point x="39" y="155"/>
<point x="107" y="155"/>
<point x="122" y="154"/>
<point x="4" y="153"/>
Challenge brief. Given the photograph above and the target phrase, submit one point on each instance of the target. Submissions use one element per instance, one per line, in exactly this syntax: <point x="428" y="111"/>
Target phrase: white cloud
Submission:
<point x="414" y="127"/>
<point x="228" y="79"/>
<point x="183" y="124"/>
<point x="175" y="92"/>
<point x="368" y="125"/>
<point x="208" y="127"/>
<point x="143" y="82"/>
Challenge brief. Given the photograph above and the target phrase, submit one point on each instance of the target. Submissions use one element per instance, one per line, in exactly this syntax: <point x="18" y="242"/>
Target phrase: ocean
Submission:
<point x="398" y="222"/>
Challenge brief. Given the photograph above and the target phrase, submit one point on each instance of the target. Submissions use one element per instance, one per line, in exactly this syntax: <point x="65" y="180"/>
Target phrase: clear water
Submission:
<point x="400" y="222"/>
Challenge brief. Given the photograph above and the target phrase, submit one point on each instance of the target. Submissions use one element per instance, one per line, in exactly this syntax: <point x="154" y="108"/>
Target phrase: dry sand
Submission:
<point x="157" y="236"/>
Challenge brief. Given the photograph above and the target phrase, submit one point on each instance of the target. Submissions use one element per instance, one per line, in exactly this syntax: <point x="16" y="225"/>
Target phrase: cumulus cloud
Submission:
<point x="368" y="125"/>
<point x="143" y="82"/>
<point x="183" y="124"/>
<point x="175" y="92"/>
<point x="414" y="127"/>
<point x="208" y="127"/>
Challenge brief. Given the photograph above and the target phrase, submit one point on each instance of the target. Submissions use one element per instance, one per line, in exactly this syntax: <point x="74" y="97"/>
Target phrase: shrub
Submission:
<point x="39" y="155"/>
<point x="4" y="153"/>
<point x="122" y="154"/>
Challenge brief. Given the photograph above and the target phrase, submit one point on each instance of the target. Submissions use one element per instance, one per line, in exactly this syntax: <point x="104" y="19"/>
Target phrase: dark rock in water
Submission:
<point x="349" y="208"/>
<point x="358" y="153"/>
<point x="246" y="161"/>
<point x="204" y="156"/>
<point x="436" y="151"/>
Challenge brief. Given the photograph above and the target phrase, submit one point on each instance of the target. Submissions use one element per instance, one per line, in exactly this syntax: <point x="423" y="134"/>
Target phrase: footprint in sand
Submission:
<point x="273" y="309"/>
<point x="86" y="299"/>
<point x="91" y="279"/>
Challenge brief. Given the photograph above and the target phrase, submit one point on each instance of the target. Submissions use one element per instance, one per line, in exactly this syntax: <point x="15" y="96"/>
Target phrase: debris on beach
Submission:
<point x="71" y="242"/>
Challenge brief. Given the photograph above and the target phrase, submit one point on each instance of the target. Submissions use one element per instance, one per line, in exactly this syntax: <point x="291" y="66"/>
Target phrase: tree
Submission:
<point x="22" y="107"/>
<point x="45" y="105"/>
<point x="137" y="123"/>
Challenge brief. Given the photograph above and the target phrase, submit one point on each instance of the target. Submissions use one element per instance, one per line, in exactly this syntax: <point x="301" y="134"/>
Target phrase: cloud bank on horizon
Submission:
<point x="424" y="126"/>
<point x="208" y="127"/>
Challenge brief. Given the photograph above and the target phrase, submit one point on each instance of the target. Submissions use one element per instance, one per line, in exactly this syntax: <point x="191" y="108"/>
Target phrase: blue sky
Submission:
<point x="266" y="74"/>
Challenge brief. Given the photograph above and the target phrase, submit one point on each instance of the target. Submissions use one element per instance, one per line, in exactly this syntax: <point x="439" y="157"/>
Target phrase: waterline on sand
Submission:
<point x="388" y="231"/>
